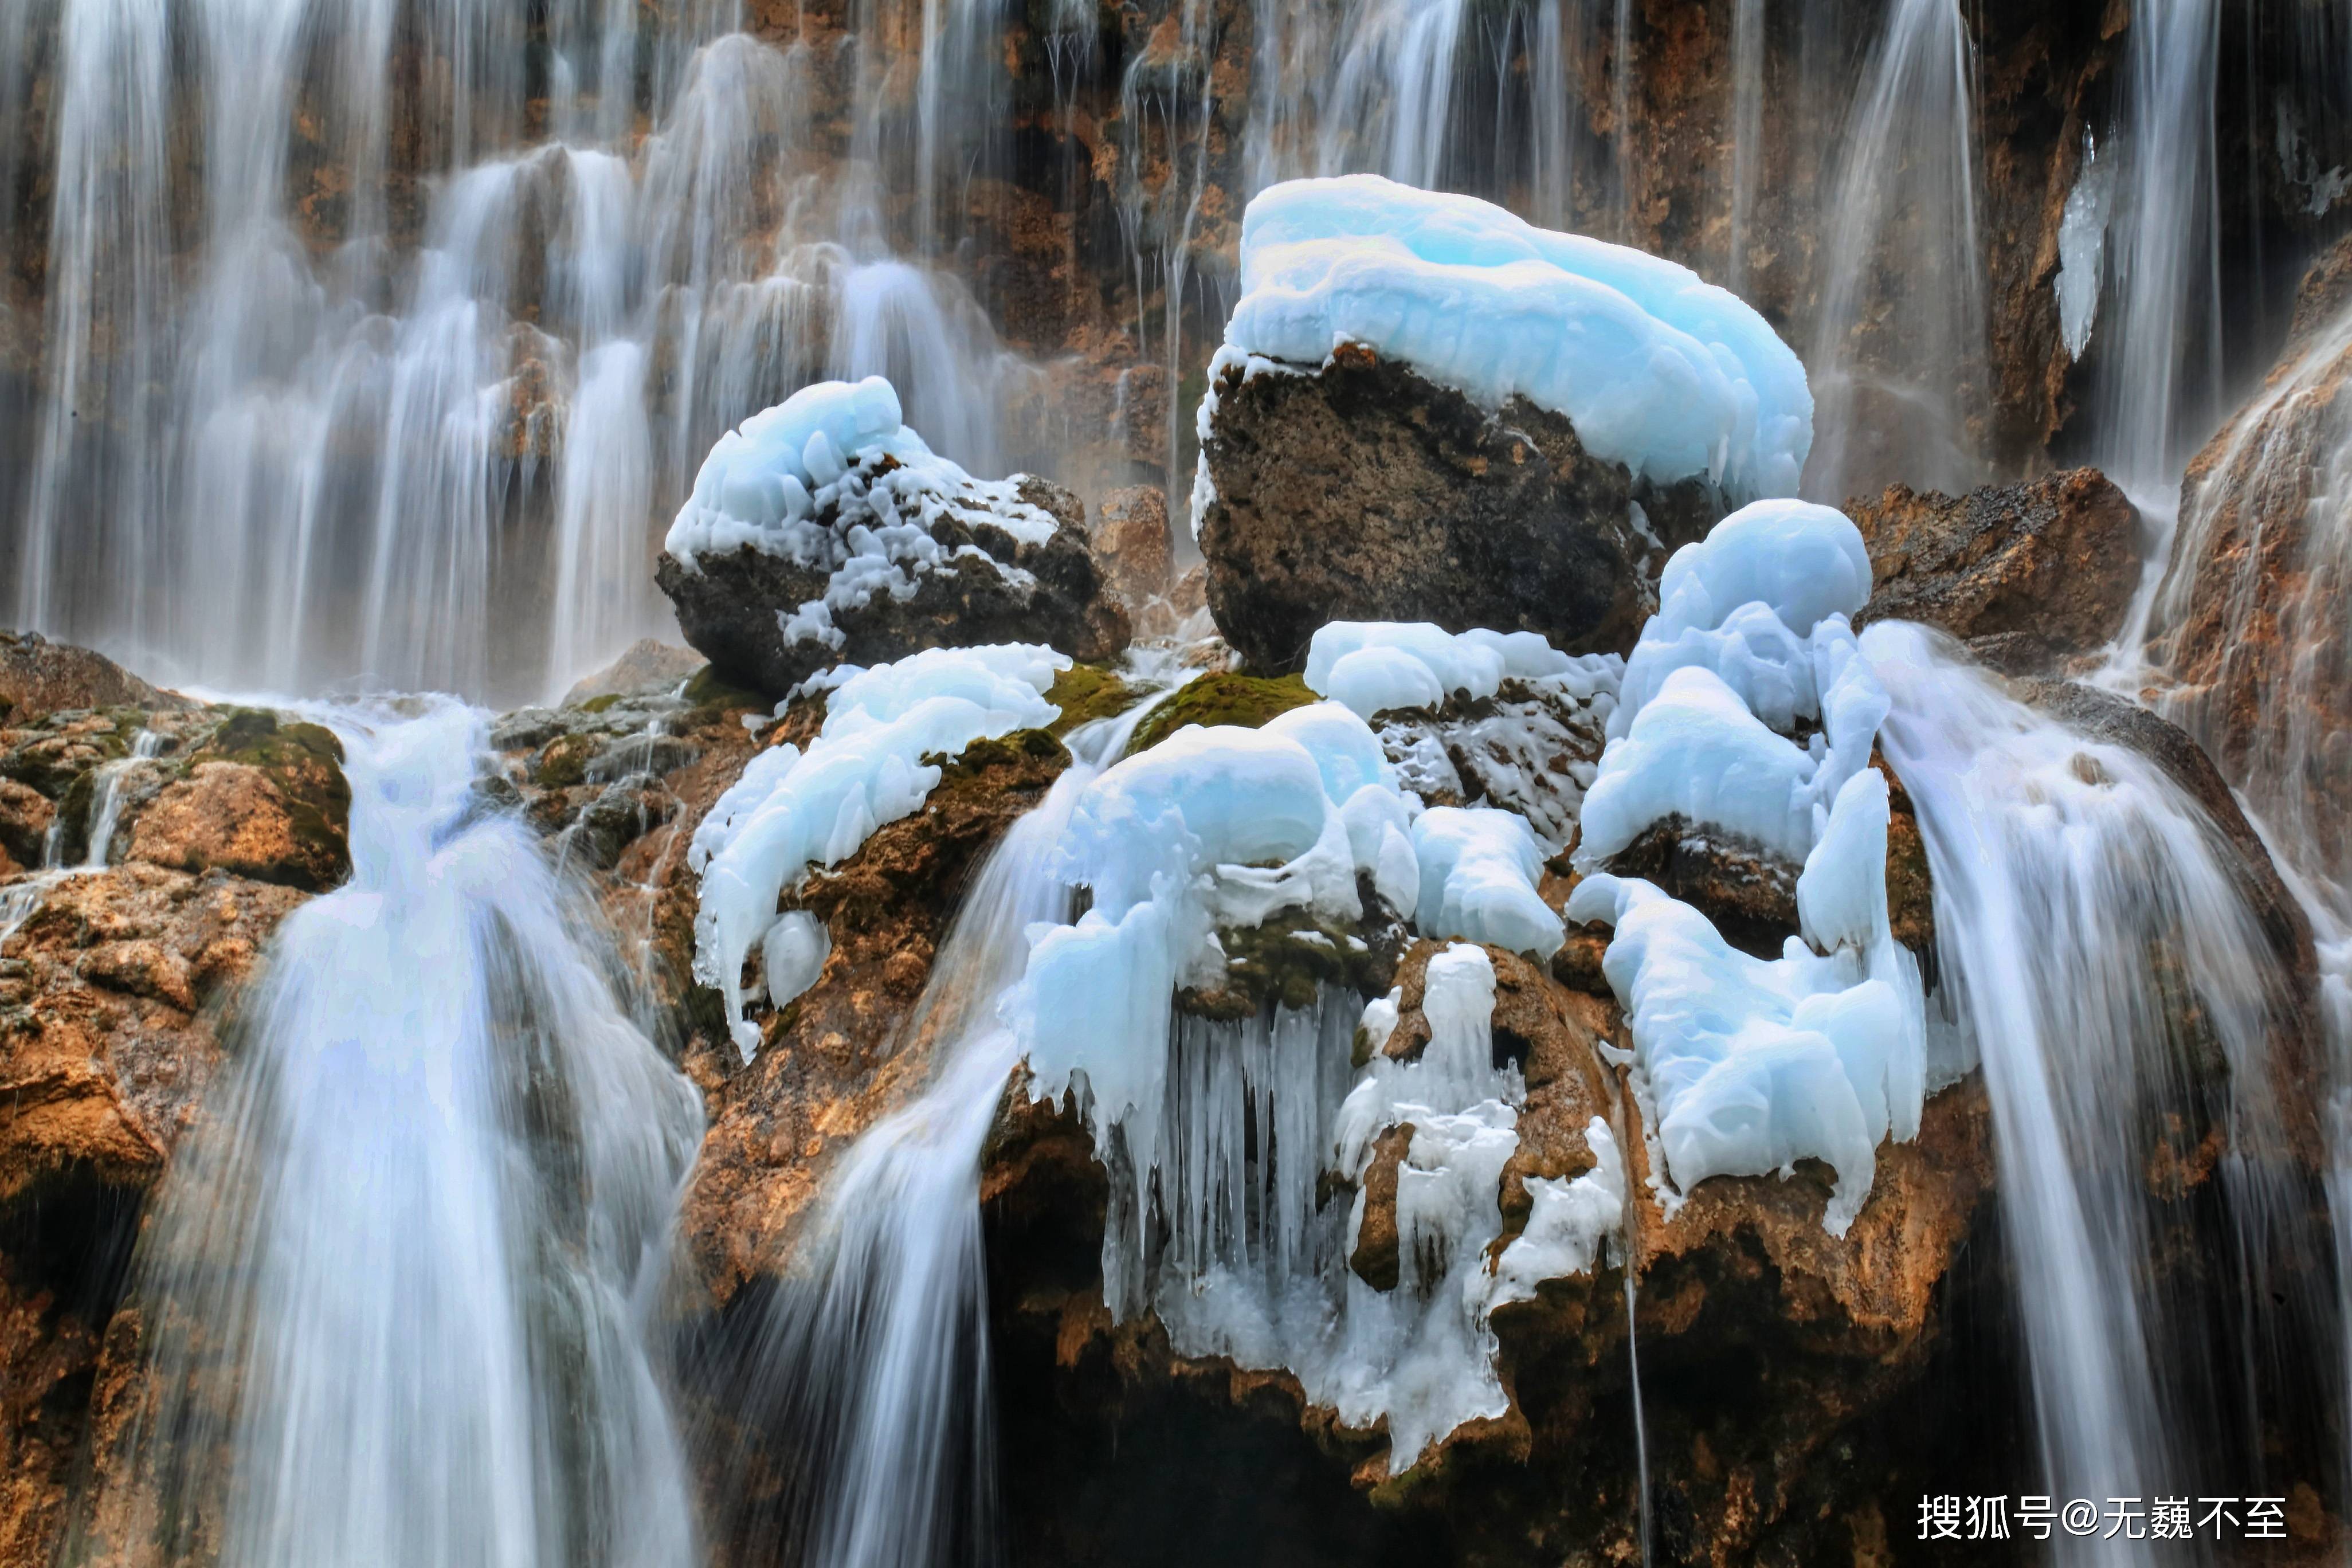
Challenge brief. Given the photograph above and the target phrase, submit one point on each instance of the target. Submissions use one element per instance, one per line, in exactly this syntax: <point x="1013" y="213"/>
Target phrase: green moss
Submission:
<point x="712" y="697"/>
<point x="1248" y="700"/>
<point x="600" y="704"/>
<point x="1283" y="962"/>
<point x="564" y="761"/>
<point x="1084" y="692"/>
<point x="999" y="751"/>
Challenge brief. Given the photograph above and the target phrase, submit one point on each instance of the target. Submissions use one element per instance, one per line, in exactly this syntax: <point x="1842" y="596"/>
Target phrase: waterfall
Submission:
<point x="874" y="1352"/>
<point x="2161" y="373"/>
<point x="2100" y="959"/>
<point x="1900" y="237"/>
<point x="397" y="1288"/>
<point x="360" y="356"/>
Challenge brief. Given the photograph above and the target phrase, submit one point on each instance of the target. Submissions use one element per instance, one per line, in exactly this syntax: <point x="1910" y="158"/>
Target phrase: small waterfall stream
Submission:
<point x="875" y="1352"/>
<point x="2102" y="962"/>
<point x="397" y="1288"/>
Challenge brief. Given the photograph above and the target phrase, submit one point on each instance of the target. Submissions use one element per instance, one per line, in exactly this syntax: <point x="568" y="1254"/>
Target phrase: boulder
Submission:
<point x="1363" y="491"/>
<point x="259" y="799"/>
<point x="649" y="665"/>
<point x="37" y="677"/>
<point x="734" y="607"/>
<point x="1130" y="544"/>
<point x="2027" y="574"/>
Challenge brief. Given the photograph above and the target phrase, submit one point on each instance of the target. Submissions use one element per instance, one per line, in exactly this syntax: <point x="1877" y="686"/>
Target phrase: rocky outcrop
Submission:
<point x="259" y="799"/>
<point x="1810" y="1350"/>
<point x="1132" y="545"/>
<point x="2249" y="621"/>
<point x="734" y="607"/>
<point x="2027" y="574"/>
<point x="40" y="677"/>
<point x="646" y="665"/>
<point x="2101" y="715"/>
<point x="1365" y="492"/>
<point x="118" y="1003"/>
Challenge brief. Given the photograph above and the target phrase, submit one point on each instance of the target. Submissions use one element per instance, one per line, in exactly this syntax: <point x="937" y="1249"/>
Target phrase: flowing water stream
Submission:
<point x="398" y="1289"/>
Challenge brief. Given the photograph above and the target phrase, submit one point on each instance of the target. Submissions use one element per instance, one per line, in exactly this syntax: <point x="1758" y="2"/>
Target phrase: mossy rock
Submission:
<point x="563" y="762"/>
<point x="1247" y="700"/>
<point x="605" y="703"/>
<point x="709" y="698"/>
<point x="998" y="751"/>
<point x="1086" y="692"/>
<point x="1288" y="961"/>
<point x="305" y="763"/>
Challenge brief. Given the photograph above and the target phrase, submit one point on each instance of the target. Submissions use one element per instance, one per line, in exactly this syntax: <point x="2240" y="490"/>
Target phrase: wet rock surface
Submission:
<point x="2027" y="576"/>
<point x="2248" y="626"/>
<point x="733" y="607"/>
<point x="1362" y="491"/>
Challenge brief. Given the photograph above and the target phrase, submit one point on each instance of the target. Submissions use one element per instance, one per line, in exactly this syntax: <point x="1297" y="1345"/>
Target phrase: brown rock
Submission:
<point x="649" y="665"/>
<point x="233" y="816"/>
<point x="2026" y="574"/>
<point x="1375" y="1259"/>
<point x="37" y="676"/>
<point x="845" y="1053"/>
<point x="25" y="814"/>
<point x="1132" y="545"/>
<point x="1365" y="492"/>
<point x="2249" y="623"/>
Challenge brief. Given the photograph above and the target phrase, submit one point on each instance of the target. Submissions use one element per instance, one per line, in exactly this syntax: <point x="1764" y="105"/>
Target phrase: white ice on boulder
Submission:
<point x="1751" y="634"/>
<point x="790" y="812"/>
<point x="1756" y="1064"/>
<point x="1656" y="368"/>
<point x="832" y="480"/>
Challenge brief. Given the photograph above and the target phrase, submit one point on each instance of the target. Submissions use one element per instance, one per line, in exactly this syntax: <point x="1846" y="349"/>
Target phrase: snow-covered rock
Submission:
<point x="823" y="530"/>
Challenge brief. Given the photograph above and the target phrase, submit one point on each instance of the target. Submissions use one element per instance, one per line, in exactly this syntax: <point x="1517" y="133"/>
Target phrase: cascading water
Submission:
<point x="2100" y="958"/>
<point x="1900" y="237"/>
<point x="397" y="1289"/>
<point x="378" y="354"/>
<point x="874" y="1352"/>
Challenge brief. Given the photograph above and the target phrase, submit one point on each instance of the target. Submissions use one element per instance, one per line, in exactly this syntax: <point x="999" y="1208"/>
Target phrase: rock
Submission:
<point x="834" y="1061"/>
<point x="116" y="997"/>
<point x="1375" y="1261"/>
<point x="38" y="677"/>
<point x="2026" y="574"/>
<point x="236" y="816"/>
<point x="729" y="607"/>
<point x="2102" y="715"/>
<point x="25" y="814"/>
<point x="2249" y="623"/>
<point x="1130" y="545"/>
<point x="649" y="665"/>
<point x="1365" y="492"/>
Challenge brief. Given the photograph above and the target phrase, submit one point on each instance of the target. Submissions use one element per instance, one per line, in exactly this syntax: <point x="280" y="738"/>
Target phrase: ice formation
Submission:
<point x="1658" y="370"/>
<point x="790" y="812"/>
<point x="1523" y="721"/>
<point x="1752" y="634"/>
<point x="831" y="478"/>
<point x="1752" y="1064"/>
<point x="1572" y="1216"/>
